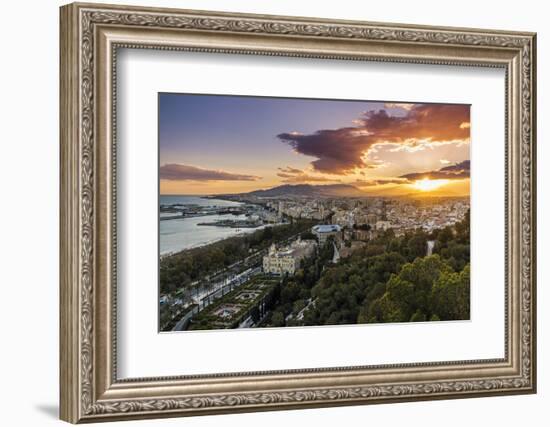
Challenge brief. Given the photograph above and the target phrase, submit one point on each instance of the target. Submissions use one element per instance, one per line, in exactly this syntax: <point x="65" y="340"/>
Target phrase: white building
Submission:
<point x="281" y="208"/>
<point x="287" y="259"/>
<point x="323" y="232"/>
<point x="383" y="225"/>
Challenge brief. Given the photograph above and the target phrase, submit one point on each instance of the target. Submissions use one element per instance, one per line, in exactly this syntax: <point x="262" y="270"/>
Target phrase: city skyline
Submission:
<point x="220" y="144"/>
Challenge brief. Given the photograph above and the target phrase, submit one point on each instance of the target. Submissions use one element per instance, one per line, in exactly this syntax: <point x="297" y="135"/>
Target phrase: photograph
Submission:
<point x="296" y="190"/>
<point x="292" y="212"/>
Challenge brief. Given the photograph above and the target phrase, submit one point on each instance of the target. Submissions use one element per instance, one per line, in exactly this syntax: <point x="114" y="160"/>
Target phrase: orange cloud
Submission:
<point x="382" y="181"/>
<point x="179" y="172"/>
<point x="457" y="171"/>
<point x="339" y="151"/>
<point x="295" y="176"/>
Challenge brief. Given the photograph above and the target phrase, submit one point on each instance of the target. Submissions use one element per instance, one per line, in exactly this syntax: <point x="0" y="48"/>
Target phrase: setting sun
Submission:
<point x="429" y="184"/>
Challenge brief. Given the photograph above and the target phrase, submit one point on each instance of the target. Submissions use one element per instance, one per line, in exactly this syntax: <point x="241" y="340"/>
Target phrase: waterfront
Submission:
<point x="290" y="275"/>
<point x="186" y="233"/>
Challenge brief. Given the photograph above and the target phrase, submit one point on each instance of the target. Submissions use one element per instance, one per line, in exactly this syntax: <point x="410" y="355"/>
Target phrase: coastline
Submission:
<point x="210" y="242"/>
<point x="174" y="234"/>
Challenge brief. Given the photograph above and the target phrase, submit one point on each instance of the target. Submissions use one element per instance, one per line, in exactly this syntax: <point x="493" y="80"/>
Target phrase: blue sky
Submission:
<point x="218" y="129"/>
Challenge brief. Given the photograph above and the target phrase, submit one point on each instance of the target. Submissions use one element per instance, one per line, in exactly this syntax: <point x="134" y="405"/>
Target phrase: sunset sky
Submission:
<point x="212" y="144"/>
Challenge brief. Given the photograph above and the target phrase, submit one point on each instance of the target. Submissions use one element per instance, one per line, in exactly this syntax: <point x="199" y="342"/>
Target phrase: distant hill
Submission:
<point x="308" y="190"/>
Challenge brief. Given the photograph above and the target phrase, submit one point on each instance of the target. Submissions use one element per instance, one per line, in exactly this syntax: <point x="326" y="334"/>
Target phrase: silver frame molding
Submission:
<point x="90" y="37"/>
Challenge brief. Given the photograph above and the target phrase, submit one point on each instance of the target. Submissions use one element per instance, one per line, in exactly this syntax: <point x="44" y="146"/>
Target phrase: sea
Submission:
<point x="179" y="234"/>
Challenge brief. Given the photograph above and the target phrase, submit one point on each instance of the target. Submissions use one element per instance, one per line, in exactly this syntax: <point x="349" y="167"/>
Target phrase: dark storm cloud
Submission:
<point x="457" y="171"/>
<point x="457" y="167"/>
<point x="339" y="151"/>
<point x="383" y="181"/>
<point x="290" y="170"/>
<point x="179" y="172"/>
<point x="294" y="176"/>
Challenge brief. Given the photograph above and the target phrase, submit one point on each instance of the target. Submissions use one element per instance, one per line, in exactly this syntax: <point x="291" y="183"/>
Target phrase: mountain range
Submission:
<point x="308" y="190"/>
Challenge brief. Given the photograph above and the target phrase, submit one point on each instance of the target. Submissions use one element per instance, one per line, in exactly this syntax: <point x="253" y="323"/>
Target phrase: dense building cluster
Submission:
<point x="352" y="222"/>
<point x="376" y="213"/>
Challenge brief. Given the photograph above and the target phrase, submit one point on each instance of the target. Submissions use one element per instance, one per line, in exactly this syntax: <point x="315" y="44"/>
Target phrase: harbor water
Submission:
<point x="185" y="233"/>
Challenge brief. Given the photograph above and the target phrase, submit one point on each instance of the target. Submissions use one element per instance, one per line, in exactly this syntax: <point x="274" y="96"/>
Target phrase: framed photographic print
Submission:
<point x="263" y="212"/>
<point x="251" y="241"/>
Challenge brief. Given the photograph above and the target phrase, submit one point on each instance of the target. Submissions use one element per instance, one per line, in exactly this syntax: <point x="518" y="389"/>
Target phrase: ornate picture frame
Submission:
<point x="90" y="37"/>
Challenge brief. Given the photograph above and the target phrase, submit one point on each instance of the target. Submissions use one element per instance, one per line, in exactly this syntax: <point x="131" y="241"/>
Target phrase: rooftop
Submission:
<point x="326" y="228"/>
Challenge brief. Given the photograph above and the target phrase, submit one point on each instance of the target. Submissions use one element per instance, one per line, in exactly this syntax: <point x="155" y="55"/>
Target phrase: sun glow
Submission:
<point x="429" y="184"/>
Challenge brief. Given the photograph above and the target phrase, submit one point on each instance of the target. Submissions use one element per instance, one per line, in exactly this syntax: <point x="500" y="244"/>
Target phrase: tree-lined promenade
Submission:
<point x="195" y="272"/>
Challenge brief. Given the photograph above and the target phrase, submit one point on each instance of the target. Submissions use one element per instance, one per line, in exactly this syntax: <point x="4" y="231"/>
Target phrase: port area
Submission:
<point x="234" y="223"/>
<point x="179" y="211"/>
<point x="256" y="215"/>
